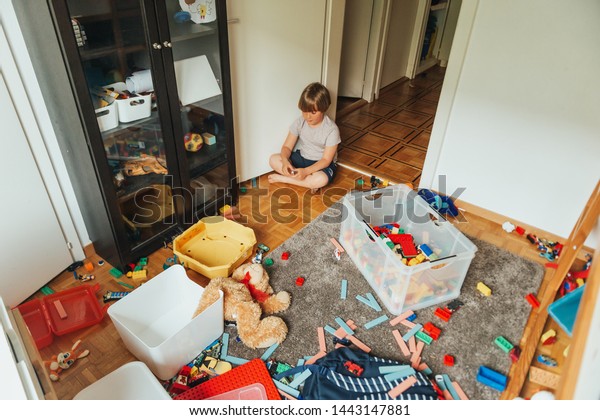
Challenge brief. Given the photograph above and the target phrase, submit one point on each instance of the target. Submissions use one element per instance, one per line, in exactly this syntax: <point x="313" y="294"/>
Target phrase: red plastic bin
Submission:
<point x="82" y="310"/>
<point x="37" y="323"/>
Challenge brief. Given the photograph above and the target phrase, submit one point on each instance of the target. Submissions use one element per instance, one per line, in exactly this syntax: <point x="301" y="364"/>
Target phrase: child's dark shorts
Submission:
<point x="299" y="162"/>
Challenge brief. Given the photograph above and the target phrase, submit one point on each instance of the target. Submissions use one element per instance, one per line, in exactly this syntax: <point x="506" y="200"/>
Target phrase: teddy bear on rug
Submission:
<point x="247" y="295"/>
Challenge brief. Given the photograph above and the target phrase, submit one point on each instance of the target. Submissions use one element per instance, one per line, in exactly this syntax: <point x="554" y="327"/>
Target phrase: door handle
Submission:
<point x="167" y="44"/>
<point x="156" y="46"/>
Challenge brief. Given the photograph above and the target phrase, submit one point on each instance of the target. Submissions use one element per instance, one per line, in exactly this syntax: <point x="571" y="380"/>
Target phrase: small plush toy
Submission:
<point x="65" y="360"/>
<point x="247" y="295"/>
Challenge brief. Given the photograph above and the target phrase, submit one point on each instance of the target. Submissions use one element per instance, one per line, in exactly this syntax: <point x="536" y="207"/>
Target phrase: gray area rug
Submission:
<point x="468" y="336"/>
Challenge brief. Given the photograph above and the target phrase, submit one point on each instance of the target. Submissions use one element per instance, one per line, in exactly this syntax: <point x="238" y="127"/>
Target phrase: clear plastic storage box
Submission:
<point x="401" y="287"/>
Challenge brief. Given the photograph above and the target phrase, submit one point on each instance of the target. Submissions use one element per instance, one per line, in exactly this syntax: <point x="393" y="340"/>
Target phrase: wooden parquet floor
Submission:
<point x="275" y="212"/>
<point x="389" y="136"/>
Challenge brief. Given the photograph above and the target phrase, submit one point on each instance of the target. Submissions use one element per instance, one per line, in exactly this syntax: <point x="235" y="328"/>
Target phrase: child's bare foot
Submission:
<point x="276" y="178"/>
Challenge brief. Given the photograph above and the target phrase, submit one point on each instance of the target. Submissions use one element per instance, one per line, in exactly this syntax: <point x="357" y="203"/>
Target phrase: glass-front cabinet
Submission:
<point x="151" y="81"/>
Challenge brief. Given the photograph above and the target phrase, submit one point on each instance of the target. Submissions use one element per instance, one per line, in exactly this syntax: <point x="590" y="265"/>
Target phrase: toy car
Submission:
<point x="353" y="368"/>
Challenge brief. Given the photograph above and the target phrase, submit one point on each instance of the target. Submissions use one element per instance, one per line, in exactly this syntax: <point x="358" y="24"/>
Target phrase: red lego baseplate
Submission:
<point x="249" y="373"/>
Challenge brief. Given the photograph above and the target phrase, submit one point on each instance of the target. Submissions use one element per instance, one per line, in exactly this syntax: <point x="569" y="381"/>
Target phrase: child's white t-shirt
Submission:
<point x="312" y="141"/>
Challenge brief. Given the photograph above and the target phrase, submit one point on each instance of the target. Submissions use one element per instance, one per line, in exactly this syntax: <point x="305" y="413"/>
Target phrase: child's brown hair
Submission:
<point x="314" y="97"/>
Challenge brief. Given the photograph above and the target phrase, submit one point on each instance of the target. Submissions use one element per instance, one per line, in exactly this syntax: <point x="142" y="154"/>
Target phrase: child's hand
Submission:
<point x="300" y="174"/>
<point x="287" y="168"/>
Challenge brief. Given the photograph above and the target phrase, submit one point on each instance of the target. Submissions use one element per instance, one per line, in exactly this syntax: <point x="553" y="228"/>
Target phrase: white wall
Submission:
<point x="47" y="152"/>
<point x="518" y="122"/>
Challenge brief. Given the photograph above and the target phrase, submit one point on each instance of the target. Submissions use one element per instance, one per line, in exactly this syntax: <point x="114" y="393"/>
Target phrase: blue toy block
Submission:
<point x="344" y="291"/>
<point x="329" y="329"/>
<point x="225" y="345"/>
<point x="269" y="352"/>
<point x="376" y="322"/>
<point x="450" y="387"/>
<point x="374" y="303"/>
<point x="345" y="326"/>
<point x="412" y="332"/>
<point x="300" y="378"/>
<point x="491" y="378"/>
<point x="287" y="389"/>
<point x="411" y="317"/>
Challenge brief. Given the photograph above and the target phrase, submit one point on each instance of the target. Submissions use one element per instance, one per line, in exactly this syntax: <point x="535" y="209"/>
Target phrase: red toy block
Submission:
<point x="532" y="300"/>
<point x="443" y="314"/>
<point x="448" y="360"/>
<point x="300" y="281"/>
<point x="520" y="230"/>
<point x="515" y="353"/>
<point x="432" y="330"/>
<point x="285" y="256"/>
<point x="550" y="340"/>
<point x="353" y="368"/>
<point x="406" y="242"/>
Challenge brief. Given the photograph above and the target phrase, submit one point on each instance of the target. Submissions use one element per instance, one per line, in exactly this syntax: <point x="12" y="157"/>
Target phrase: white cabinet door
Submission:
<point x="34" y="249"/>
<point x="276" y="49"/>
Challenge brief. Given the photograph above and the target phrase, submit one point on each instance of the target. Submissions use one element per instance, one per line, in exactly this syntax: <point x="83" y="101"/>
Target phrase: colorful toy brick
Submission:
<point x="115" y="272"/>
<point x="433" y="331"/>
<point x="420" y="335"/>
<point x="443" y="314"/>
<point x="483" y="289"/>
<point x="300" y="281"/>
<point x="89" y="266"/>
<point x="504" y="344"/>
<point x="515" y="354"/>
<point x="448" y="360"/>
<point x="491" y="378"/>
<point x="547" y="360"/>
<point x="376" y="322"/>
<point x="344" y="291"/>
<point x="532" y="300"/>
<point x="285" y="256"/>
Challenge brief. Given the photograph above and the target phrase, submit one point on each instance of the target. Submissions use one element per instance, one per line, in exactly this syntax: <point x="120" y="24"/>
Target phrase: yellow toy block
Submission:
<point x="548" y="334"/>
<point x="486" y="291"/>
<point x="138" y="275"/>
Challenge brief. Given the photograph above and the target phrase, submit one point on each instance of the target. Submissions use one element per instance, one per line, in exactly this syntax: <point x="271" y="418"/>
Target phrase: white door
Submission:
<point x="398" y="54"/>
<point x="34" y="249"/>
<point x="357" y="25"/>
<point x="276" y="49"/>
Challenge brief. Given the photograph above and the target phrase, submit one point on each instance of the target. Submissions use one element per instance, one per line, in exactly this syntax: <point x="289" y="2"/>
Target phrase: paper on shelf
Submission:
<point x="195" y="80"/>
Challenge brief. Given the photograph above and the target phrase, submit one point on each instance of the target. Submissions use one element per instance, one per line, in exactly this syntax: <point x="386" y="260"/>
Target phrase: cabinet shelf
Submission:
<point x="87" y="55"/>
<point x="186" y="31"/>
<point x="439" y="6"/>
<point x="207" y="158"/>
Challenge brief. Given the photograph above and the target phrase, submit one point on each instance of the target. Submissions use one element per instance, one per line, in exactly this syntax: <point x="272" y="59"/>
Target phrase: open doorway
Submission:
<point x="389" y="136"/>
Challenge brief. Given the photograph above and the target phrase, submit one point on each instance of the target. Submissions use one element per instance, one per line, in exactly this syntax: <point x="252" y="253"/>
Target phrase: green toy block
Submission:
<point x="420" y="335"/>
<point x="46" y="290"/>
<point x="503" y="343"/>
<point x="143" y="261"/>
<point x="268" y="262"/>
<point x="115" y="272"/>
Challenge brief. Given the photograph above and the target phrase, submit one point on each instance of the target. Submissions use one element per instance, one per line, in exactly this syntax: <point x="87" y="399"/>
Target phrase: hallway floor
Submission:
<point x="389" y="136"/>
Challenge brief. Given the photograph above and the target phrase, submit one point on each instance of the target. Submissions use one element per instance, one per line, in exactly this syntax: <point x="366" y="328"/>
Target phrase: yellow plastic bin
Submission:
<point x="215" y="246"/>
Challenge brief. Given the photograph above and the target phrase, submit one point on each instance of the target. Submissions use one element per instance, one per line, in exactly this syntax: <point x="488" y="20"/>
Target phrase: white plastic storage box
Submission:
<point x="401" y="287"/>
<point x="108" y="117"/>
<point x="134" y="108"/>
<point x="155" y="322"/>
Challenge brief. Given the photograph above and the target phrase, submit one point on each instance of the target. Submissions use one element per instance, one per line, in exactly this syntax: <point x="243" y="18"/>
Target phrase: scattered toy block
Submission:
<point x="420" y="335"/>
<point x="515" y="353"/>
<point x="345" y="326"/>
<point x="401" y="387"/>
<point x="443" y="314"/>
<point x="285" y="256"/>
<point x="412" y="344"/>
<point x="359" y="344"/>
<point x="412" y="317"/>
<point x="448" y="360"/>
<point x="433" y="331"/>
<point x="547" y="360"/>
<point x="89" y="266"/>
<point x="401" y="343"/>
<point x="504" y="344"/>
<point x="412" y="332"/>
<point x="344" y="292"/>
<point x="269" y="262"/>
<point x="459" y="391"/>
<point x="376" y="322"/>
<point x="115" y="272"/>
<point x="483" y="289"/>
<point x="450" y="387"/>
<point x="337" y="245"/>
<point x="491" y="378"/>
<point x="401" y="317"/>
<point x="321" y="338"/>
<point x="300" y="281"/>
<point x="532" y="300"/>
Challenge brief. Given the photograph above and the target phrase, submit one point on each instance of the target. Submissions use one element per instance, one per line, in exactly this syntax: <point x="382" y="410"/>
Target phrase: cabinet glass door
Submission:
<point x="115" y="58"/>
<point x="194" y="37"/>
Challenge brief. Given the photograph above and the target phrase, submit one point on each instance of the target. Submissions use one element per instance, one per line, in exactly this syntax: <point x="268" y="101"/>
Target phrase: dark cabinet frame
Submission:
<point x="103" y="220"/>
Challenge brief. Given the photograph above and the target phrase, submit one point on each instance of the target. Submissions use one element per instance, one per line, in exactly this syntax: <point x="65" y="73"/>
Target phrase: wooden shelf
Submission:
<point x="186" y="31"/>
